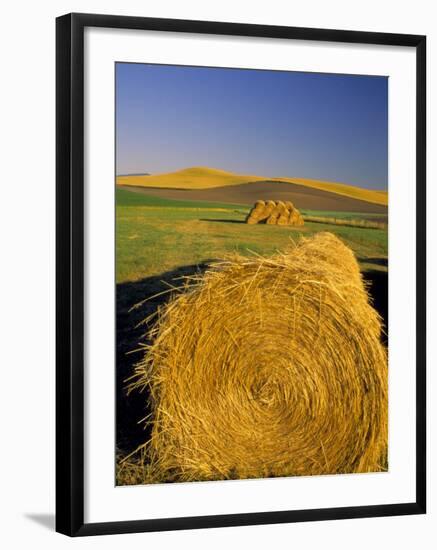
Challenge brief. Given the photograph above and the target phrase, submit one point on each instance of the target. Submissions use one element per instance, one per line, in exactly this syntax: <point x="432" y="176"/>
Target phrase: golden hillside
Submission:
<point x="190" y="178"/>
<point x="207" y="178"/>
<point x="359" y="193"/>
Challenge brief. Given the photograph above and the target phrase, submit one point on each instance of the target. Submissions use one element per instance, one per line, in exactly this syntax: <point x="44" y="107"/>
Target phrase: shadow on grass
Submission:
<point x="375" y="261"/>
<point x="132" y="408"/>
<point x="220" y="220"/>
<point x="378" y="289"/>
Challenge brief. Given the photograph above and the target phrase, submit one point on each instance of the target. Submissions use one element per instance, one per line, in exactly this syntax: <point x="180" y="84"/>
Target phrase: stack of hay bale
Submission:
<point x="275" y="213"/>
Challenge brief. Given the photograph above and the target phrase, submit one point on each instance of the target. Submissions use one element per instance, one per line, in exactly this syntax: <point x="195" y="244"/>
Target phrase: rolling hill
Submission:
<point x="203" y="178"/>
<point x="247" y="193"/>
<point x="188" y="178"/>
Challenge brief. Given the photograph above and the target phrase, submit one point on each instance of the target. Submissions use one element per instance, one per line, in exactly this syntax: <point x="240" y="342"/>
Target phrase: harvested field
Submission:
<point x="203" y="177"/>
<point x="248" y="193"/>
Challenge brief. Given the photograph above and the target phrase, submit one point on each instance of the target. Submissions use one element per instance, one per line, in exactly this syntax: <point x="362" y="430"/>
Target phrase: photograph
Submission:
<point x="218" y="218"/>
<point x="252" y="264"/>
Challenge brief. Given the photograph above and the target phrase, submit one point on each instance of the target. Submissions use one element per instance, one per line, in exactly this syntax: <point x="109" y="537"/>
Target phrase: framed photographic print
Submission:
<point x="240" y="274"/>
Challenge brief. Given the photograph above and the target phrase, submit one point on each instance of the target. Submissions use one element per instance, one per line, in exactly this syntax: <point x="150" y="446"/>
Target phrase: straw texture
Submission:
<point x="274" y="213"/>
<point x="267" y="367"/>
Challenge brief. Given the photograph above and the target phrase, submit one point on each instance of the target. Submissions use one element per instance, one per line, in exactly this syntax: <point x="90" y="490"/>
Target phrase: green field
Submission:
<point x="156" y="235"/>
<point x="343" y="215"/>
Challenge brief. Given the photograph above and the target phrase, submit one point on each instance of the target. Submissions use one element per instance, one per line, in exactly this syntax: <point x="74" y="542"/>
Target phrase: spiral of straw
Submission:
<point x="268" y="367"/>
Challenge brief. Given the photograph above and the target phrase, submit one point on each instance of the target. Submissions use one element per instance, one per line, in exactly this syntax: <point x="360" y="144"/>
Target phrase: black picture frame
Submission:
<point x="70" y="273"/>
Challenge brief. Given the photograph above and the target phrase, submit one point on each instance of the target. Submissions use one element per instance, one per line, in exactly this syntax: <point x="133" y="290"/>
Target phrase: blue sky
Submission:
<point x="268" y="123"/>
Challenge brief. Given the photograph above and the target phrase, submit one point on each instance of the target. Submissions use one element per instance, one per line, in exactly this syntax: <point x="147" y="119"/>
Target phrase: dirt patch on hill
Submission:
<point x="248" y="193"/>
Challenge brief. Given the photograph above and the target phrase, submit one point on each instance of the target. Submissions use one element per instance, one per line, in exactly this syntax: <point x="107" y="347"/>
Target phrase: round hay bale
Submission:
<point x="295" y="218"/>
<point x="274" y="215"/>
<point x="256" y="212"/>
<point x="283" y="214"/>
<point x="268" y="367"/>
<point x="260" y="212"/>
<point x="270" y="206"/>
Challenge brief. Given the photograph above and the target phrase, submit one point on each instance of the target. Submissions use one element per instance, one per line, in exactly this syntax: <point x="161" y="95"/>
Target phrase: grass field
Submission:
<point x="345" y="215"/>
<point x="157" y="235"/>
<point x="125" y="197"/>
